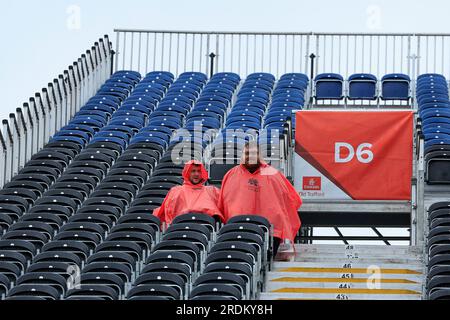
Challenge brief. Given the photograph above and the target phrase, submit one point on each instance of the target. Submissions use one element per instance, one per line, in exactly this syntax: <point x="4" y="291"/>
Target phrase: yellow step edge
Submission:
<point x="347" y="270"/>
<point x="345" y="291"/>
<point x="294" y="299"/>
<point x="340" y="280"/>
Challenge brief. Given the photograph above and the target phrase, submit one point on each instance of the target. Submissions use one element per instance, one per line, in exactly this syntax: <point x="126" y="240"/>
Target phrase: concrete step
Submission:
<point x="348" y="276"/>
<point x="336" y="283"/>
<point x="338" y="296"/>
<point x="355" y="258"/>
<point x="347" y="272"/>
<point x="346" y="267"/>
<point x="368" y="249"/>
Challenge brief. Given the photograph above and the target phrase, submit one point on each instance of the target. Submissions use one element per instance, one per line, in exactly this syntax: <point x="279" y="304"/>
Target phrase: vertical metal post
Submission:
<point x="47" y="109"/>
<point x="312" y="57"/>
<point x="413" y="82"/>
<point x="317" y="52"/>
<point x="78" y="79"/>
<point x="212" y="56"/>
<point x="23" y="133"/>
<point x="53" y="109"/>
<point x="421" y="216"/>
<point x="29" y="131"/>
<point x="147" y="52"/>
<point x="307" y="49"/>
<point x="3" y="150"/>
<point x="84" y="79"/>
<point x="15" y="143"/>
<point x="37" y="122"/>
<point x="9" y="147"/>
<point x="42" y="124"/>
<point x="64" y="106"/>
<point x="419" y="56"/>
<point x="409" y="56"/>
<point x="117" y="50"/>
<point x="29" y="128"/>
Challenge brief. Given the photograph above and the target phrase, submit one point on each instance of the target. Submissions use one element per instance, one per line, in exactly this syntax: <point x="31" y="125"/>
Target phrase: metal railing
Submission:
<point x="278" y="53"/>
<point x="239" y="52"/>
<point x="31" y="127"/>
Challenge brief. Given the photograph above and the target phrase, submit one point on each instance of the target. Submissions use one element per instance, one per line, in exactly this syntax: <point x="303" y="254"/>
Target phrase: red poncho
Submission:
<point x="267" y="193"/>
<point x="189" y="198"/>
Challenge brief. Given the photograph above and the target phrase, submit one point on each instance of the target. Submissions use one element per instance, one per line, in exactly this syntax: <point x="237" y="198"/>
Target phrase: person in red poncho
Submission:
<point x="192" y="197"/>
<point x="254" y="187"/>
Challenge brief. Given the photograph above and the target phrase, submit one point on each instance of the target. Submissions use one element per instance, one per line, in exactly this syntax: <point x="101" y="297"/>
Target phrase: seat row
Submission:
<point x="362" y="86"/>
<point x="434" y="123"/>
<point x="438" y="246"/>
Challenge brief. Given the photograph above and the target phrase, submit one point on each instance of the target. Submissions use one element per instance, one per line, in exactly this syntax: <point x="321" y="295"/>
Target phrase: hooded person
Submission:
<point x="254" y="187"/>
<point x="192" y="197"/>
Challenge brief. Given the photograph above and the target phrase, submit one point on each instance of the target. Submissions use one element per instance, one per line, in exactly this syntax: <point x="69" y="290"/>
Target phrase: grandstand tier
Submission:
<point x="87" y="161"/>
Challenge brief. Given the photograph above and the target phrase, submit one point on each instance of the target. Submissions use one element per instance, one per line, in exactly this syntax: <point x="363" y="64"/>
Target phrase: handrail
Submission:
<point x="246" y="52"/>
<point x="27" y="130"/>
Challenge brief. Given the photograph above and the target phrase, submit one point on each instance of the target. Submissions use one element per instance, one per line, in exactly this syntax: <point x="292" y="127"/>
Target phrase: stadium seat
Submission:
<point x="362" y="86"/>
<point x="329" y="86"/>
<point x="395" y="87"/>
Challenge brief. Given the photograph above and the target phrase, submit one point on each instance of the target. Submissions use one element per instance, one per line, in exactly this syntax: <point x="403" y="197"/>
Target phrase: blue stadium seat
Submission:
<point x="329" y="86"/>
<point x="395" y="86"/>
<point x="362" y="86"/>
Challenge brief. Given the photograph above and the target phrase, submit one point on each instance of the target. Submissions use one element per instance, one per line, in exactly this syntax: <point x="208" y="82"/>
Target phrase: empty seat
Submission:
<point x="395" y="86"/>
<point x="329" y="86"/>
<point x="362" y="86"/>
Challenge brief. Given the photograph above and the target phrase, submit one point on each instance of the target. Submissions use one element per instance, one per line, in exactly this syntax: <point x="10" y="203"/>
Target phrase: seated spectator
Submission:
<point x="254" y="187"/>
<point x="192" y="197"/>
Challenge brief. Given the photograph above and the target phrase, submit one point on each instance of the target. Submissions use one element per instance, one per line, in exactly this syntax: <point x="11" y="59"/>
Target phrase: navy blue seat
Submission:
<point x="362" y="86"/>
<point x="329" y="86"/>
<point x="395" y="86"/>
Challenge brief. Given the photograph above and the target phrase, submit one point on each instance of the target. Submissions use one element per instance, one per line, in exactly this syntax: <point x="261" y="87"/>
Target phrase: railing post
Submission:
<point x="413" y="82"/>
<point x="311" y="98"/>
<point x="64" y="83"/>
<point x="85" y="75"/>
<point x="23" y="132"/>
<point x="92" y="69"/>
<point x="37" y="123"/>
<point x="3" y="150"/>
<point x="53" y="109"/>
<point x="47" y="109"/>
<point x="212" y="56"/>
<point x="421" y="218"/>
<point x="9" y="147"/>
<point x="59" y="104"/>
<point x="15" y="143"/>
<point x="42" y="124"/>
<point x="29" y="131"/>
<point x="73" y="92"/>
<point x="77" y="77"/>
<point x="83" y="78"/>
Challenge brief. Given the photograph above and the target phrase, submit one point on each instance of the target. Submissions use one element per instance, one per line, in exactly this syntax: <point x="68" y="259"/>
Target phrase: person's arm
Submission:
<point x="161" y="211"/>
<point x="220" y="200"/>
<point x="291" y="192"/>
<point x="216" y="195"/>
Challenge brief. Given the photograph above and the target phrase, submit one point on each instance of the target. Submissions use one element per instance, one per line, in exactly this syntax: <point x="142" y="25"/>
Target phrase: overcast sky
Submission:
<point x="41" y="38"/>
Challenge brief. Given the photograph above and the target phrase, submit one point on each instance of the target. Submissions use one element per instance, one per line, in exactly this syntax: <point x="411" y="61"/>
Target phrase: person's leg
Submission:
<point x="276" y="245"/>
<point x="218" y="222"/>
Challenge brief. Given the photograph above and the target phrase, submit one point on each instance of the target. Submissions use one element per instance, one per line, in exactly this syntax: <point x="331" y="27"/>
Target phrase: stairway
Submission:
<point x="346" y="272"/>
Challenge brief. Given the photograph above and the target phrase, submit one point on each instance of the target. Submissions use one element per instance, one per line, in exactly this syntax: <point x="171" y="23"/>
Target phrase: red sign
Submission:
<point x="312" y="183"/>
<point x="360" y="155"/>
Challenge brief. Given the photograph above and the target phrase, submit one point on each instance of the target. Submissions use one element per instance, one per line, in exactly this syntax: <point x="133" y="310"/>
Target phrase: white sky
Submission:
<point x="38" y="44"/>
